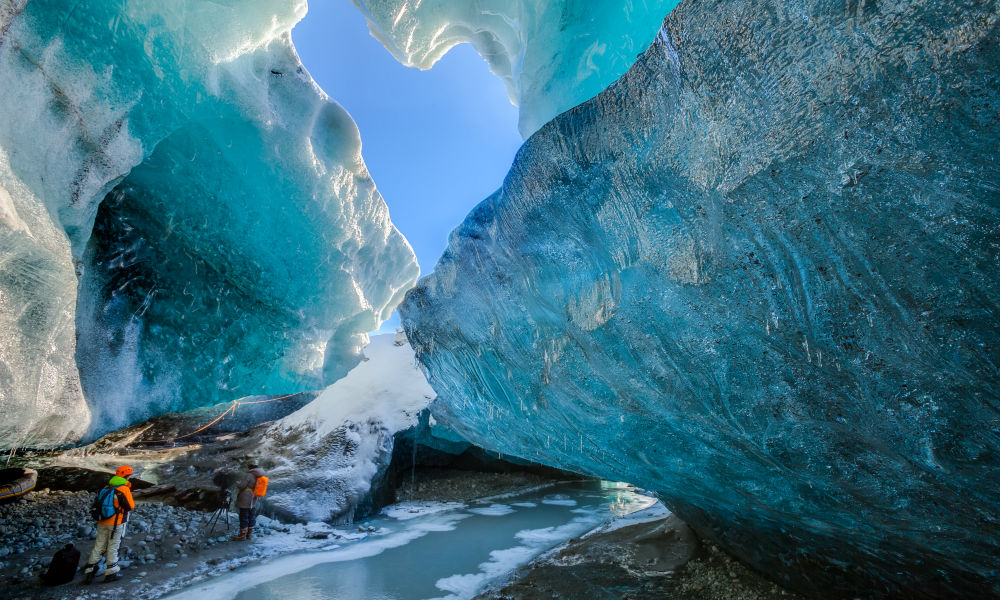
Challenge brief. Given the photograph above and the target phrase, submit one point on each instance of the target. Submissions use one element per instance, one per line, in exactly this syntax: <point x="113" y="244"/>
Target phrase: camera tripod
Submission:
<point x="221" y="512"/>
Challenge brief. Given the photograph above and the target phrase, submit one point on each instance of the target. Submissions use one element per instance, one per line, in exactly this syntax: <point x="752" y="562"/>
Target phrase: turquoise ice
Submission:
<point x="759" y="275"/>
<point x="186" y="216"/>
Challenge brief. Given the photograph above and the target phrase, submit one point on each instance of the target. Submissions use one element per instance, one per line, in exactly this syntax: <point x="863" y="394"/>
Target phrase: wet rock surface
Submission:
<point x="454" y="485"/>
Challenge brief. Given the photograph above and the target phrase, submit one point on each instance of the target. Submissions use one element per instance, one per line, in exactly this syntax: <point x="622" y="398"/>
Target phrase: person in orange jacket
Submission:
<point x="246" y="502"/>
<point x="114" y="502"/>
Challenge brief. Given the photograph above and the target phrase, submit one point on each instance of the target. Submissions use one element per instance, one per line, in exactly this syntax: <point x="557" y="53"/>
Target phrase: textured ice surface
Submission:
<point x="185" y="217"/>
<point x="758" y="274"/>
<point x="551" y="55"/>
<point x="39" y="387"/>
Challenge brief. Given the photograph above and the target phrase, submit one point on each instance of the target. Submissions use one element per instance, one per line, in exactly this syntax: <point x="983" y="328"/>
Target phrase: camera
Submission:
<point x="225" y="497"/>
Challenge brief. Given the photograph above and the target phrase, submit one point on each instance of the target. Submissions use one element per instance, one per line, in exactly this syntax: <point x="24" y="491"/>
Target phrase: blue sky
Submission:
<point x="436" y="142"/>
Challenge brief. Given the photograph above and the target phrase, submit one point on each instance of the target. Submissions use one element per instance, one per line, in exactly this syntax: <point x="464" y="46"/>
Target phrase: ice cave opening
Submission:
<point x="436" y="141"/>
<point x="744" y="256"/>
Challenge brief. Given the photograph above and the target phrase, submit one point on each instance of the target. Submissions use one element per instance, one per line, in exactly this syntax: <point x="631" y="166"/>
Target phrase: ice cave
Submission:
<point x="726" y="328"/>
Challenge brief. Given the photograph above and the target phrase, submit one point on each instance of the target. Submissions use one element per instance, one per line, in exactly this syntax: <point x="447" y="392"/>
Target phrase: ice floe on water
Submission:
<point x="524" y="504"/>
<point x="404" y="511"/>
<point x="373" y="545"/>
<point x="494" y="510"/>
<point x="534" y="542"/>
<point x="559" y="500"/>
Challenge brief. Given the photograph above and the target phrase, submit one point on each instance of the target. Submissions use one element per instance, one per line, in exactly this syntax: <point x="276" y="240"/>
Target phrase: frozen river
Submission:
<point x="420" y="551"/>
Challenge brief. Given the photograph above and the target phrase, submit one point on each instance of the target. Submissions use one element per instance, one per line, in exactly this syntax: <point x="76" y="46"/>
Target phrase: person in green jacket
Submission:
<point x="111" y="529"/>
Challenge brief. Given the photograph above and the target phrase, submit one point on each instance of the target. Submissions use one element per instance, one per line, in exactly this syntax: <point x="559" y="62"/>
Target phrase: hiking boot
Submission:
<point x="112" y="577"/>
<point x="239" y="537"/>
<point x="90" y="572"/>
<point x="249" y="533"/>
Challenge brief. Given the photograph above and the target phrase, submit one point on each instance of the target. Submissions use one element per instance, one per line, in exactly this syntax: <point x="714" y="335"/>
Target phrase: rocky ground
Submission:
<point x="164" y="546"/>
<point x="167" y="547"/>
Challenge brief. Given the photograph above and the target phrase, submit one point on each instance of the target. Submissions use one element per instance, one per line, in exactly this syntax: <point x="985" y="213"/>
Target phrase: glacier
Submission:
<point x="551" y="55"/>
<point x="186" y="217"/>
<point x="757" y="275"/>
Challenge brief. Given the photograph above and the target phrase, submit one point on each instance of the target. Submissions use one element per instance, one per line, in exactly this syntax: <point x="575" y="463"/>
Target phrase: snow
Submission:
<point x="386" y="386"/>
<point x="328" y="452"/>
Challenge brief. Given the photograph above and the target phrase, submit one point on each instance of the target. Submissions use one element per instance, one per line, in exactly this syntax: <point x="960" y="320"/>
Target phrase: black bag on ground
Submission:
<point x="63" y="567"/>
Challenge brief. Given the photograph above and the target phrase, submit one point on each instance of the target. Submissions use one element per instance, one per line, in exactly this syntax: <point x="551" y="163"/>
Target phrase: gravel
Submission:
<point x="35" y="527"/>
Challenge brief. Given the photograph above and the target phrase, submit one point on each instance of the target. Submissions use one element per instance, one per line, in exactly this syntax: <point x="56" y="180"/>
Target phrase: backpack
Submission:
<point x="260" y="487"/>
<point x="104" y="504"/>
<point x="63" y="567"/>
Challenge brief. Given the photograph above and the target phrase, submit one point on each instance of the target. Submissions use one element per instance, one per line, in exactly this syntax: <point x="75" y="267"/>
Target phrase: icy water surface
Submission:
<point x="433" y="550"/>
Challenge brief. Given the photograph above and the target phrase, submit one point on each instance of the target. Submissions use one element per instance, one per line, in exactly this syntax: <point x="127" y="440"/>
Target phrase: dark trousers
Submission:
<point x="248" y="518"/>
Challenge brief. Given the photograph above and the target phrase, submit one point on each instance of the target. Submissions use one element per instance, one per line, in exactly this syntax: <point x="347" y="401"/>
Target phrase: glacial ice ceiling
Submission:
<point x="187" y="218"/>
<point x="551" y="55"/>
<point x="758" y="274"/>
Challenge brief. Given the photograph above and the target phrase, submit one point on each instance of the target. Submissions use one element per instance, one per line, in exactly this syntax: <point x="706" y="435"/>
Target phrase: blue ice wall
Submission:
<point x="186" y="217"/>
<point x="758" y="274"/>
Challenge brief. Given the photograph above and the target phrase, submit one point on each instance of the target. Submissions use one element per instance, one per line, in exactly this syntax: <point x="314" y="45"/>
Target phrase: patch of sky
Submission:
<point x="436" y="142"/>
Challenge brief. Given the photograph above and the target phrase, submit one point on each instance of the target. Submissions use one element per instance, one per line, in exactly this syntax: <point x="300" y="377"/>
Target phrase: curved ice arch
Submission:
<point x="761" y="278"/>
<point x="551" y="56"/>
<point x="242" y="247"/>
